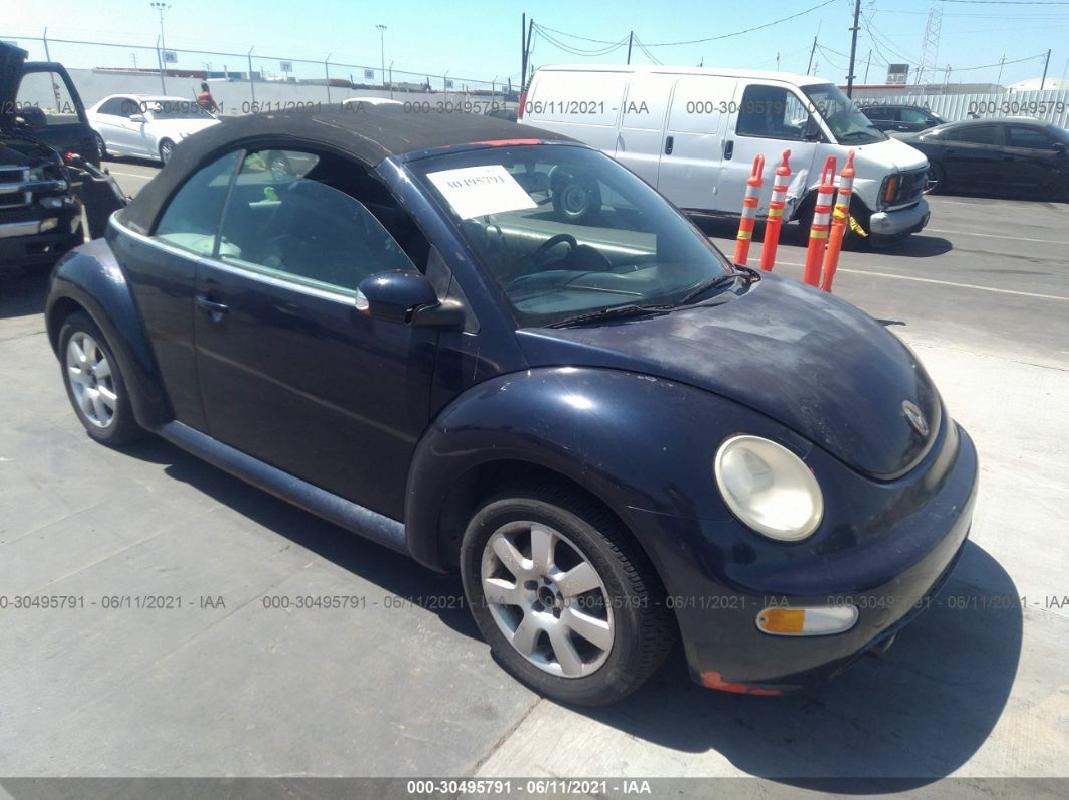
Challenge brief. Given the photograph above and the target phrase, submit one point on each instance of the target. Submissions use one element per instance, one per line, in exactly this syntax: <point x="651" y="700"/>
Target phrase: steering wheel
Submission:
<point x="550" y="243"/>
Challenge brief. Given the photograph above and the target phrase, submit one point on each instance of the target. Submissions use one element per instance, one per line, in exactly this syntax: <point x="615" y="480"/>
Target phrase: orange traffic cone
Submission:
<point x="775" y="212"/>
<point x="839" y="218"/>
<point x="818" y="231"/>
<point x="749" y="211"/>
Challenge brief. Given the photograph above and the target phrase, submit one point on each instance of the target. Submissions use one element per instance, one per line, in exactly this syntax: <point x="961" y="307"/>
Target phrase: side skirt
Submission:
<point x="342" y="512"/>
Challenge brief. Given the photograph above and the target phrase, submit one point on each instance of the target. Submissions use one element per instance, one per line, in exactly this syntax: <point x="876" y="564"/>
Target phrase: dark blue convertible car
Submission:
<point x="500" y="352"/>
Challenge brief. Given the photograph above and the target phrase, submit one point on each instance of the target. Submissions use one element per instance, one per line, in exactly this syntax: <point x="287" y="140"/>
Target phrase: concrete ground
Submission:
<point x="401" y="685"/>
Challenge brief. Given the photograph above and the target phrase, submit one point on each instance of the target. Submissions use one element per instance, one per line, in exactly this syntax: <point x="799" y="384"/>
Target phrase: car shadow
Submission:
<point x="23" y="291"/>
<point x="396" y="574"/>
<point x="905" y="719"/>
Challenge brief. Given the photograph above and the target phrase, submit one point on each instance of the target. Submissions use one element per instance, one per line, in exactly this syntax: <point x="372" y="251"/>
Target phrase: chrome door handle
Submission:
<point x="215" y="310"/>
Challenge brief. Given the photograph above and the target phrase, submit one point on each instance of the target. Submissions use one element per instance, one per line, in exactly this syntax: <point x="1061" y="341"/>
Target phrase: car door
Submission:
<point x="107" y="121"/>
<point x="640" y="143"/>
<point x="693" y="150"/>
<point x="973" y="157"/>
<point x="769" y="118"/>
<point x="1032" y="162"/>
<point x="128" y="131"/>
<point x="290" y="371"/>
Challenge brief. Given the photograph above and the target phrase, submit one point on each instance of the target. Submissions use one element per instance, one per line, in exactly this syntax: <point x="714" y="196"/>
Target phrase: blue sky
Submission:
<point x="481" y="38"/>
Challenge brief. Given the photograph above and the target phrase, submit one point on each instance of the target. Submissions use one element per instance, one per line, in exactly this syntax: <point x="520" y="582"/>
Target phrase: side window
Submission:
<point x="44" y="99"/>
<point x="913" y="115"/>
<point x="1025" y="136"/>
<point x="109" y="107"/>
<point x="192" y="216"/>
<point x="772" y="111"/>
<point x="290" y="215"/>
<point x="877" y="112"/>
<point x="977" y="134"/>
<point x="128" y="106"/>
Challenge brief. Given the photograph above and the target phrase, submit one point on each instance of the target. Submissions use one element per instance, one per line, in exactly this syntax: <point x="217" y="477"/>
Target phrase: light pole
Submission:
<point x="382" y="50"/>
<point x="161" y="7"/>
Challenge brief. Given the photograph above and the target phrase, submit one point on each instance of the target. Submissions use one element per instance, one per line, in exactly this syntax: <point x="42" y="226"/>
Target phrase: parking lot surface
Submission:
<point x="221" y="684"/>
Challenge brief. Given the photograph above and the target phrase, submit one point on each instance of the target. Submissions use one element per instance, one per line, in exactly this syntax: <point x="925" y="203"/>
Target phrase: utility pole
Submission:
<point x="946" y="80"/>
<point x="1046" y="64"/>
<point x="812" y="50"/>
<point x="529" y="67"/>
<point x="523" y="46"/>
<point x="382" y="52"/>
<point x="630" y="41"/>
<point x="853" y="49"/>
<point x="777" y="61"/>
<point x="868" y="63"/>
<point x="1001" y="64"/>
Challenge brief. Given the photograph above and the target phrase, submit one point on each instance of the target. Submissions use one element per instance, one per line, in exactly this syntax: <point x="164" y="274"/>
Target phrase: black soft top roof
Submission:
<point x="368" y="135"/>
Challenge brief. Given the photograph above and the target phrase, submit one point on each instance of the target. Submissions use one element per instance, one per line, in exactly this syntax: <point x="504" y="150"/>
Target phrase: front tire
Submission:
<point x="937" y="178"/>
<point x="569" y="604"/>
<point x="166" y="149"/>
<point x="94" y="382"/>
<point x="102" y="148"/>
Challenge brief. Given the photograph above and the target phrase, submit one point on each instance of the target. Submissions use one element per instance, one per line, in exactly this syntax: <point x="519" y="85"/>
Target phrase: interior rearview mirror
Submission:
<point x="407" y="297"/>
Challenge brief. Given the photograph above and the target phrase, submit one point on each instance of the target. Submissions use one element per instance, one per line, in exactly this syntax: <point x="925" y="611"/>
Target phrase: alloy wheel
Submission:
<point x="547" y="599"/>
<point x="91" y="380"/>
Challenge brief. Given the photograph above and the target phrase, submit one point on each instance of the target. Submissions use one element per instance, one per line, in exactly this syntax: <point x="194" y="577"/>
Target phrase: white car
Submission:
<point x="145" y="125"/>
<point x="360" y="101"/>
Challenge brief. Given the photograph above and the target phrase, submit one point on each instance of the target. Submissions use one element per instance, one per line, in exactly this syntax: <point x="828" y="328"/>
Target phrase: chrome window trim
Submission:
<point x="208" y="261"/>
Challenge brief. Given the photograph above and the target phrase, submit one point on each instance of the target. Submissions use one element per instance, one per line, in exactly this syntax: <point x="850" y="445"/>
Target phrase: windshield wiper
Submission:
<point x="720" y="280"/>
<point x="612" y="312"/>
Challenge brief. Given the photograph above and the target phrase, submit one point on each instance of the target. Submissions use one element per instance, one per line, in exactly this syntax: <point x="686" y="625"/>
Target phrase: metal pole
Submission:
<point x="326" y="68"/>
<point x="252" y="86"/>
<point x="44" y="38"/>
<point x="630" y="41"/>
<point x="523" y="46"/>
<point x="391" y="80"/>
<point x="868" y="63"/>
<point x="159" y="58"/>
<point x="382" y="51"/>
<point x="530" y="33"/>
<point x="1043" y="80"/>
<point x="853" y="50"/>
<point x="1001" y="64"/>
<point x="946" y="81"/>
<point x="812" y="50"/>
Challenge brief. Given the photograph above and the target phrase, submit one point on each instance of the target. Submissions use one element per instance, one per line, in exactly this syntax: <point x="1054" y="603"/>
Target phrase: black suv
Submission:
<point x="48" y="161"/>
<point x="903" y="118"/>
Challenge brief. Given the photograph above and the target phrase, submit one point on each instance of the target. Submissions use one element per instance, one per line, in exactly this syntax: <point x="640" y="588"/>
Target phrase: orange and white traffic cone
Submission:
<point x="839" y="218"/>
<point x="775" y="212"/>
<point x="818" y="231"/>
<point x="749" y="211"/>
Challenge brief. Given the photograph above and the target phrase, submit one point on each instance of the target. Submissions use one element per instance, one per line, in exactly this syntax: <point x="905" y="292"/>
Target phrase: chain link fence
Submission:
<point x="251" y="81"/>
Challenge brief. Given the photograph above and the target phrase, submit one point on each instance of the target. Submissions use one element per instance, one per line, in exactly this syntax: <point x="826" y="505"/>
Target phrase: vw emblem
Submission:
<point x="915" y="417"/>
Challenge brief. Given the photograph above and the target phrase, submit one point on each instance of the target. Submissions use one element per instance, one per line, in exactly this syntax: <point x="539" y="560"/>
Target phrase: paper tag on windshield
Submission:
<point x="475" y="191"/>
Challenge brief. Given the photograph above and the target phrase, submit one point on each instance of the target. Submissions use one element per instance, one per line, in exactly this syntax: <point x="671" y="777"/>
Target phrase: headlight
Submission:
<point x="768" y="488"/>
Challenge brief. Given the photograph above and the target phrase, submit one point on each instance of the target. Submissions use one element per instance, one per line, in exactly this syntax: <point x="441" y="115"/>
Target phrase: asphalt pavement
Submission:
<point x="218" y="683"/>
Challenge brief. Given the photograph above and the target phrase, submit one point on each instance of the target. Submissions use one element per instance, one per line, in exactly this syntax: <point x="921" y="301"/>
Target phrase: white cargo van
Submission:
<point x="693" y="132"/>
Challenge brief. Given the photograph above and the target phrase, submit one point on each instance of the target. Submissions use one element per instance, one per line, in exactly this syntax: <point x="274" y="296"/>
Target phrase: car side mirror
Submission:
<point x="1058" y="147"/>
<point x="138" y="118"/>
<point x="407" y="298"/>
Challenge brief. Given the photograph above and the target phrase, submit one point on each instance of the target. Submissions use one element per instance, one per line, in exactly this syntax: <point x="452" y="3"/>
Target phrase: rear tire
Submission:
<point x="94" y="382"/>
<point x="589" y="624"/>
<point x="102" y="148"/>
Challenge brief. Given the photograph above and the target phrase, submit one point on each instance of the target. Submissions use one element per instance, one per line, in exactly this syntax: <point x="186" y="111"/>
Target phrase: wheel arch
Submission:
<point x="90" y="280"/>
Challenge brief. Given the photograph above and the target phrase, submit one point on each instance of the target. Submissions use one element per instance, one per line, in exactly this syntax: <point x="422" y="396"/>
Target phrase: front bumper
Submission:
<point x="890" y="577"/>
<point x="39" y="237"/>
<point x="900" y="222"/>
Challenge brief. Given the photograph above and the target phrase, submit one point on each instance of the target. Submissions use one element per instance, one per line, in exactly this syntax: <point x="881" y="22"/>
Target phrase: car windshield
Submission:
<point x="176" y="109"/>
<point x="566" y="231"/>
<point x="847" y="123"/>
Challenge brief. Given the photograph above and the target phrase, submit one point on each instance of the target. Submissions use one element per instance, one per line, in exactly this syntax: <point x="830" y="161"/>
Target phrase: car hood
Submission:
<point x="805" y="358"/>
<point x="891" y="155"/>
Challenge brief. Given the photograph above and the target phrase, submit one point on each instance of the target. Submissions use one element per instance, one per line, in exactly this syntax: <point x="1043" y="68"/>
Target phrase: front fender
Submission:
<point x="89" y="277"/>
<point x="638" y="443"/>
